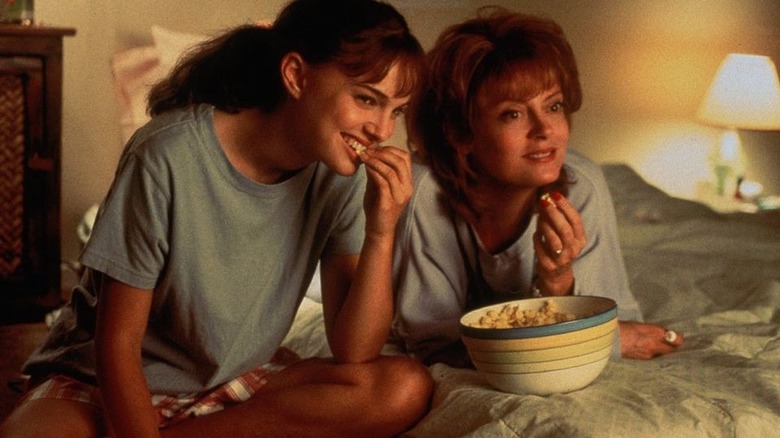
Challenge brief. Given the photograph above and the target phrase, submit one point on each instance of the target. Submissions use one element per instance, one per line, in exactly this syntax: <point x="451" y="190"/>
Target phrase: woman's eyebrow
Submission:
<point x="380" y="96"/>
<point x="554" y="92"/>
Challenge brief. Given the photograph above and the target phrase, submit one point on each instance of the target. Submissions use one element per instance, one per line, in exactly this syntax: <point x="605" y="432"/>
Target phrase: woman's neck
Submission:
<point x="256" y="145"/>
<point x="504" y="216"/>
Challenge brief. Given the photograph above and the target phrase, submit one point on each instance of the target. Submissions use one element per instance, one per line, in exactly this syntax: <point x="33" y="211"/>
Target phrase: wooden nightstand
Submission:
<point x="30" y="129"/>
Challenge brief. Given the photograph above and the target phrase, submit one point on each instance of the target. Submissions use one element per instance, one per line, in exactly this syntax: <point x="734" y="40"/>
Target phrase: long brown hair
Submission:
<point x="240" y="68"/>
<point x="521" y="54"/>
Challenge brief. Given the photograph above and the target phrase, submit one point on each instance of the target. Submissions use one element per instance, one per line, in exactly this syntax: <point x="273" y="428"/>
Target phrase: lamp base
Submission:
<point x="706" y="193"/>
<point x="722" y="172"/>
<point x="728" y="163"/>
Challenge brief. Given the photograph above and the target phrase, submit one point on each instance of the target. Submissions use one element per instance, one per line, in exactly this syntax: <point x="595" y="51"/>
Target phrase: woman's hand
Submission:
<point x="389" y="188"/>
<point x="639" y="340"/>
<point x="558" y="241"/>
<point x="357" y="290"/>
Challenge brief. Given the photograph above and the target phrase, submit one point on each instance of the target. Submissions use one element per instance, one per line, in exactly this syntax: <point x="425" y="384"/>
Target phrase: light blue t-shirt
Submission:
<point x="228" y="259"/>
<point x="440" y="264"/>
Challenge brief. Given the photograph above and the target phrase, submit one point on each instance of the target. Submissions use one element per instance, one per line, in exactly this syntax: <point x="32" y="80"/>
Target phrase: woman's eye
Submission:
<point x="556" y="107"/>
<point x="399" y="111"/>
<point x="366" y="100"/>
<point x="511" y="115"/>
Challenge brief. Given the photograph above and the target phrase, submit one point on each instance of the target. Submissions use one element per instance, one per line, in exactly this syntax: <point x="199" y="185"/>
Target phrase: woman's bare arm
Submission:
<point x="123" y="312"/>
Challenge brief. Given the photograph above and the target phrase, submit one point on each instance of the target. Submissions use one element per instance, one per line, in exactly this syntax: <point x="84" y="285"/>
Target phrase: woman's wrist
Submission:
<point x="379" y="241"/>
<point x="542" y="288"/>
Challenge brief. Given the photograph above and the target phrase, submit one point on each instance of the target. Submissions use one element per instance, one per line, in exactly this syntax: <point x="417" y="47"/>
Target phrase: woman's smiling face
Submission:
<point x="518" y="143"/>
<point x="346" y="114"/>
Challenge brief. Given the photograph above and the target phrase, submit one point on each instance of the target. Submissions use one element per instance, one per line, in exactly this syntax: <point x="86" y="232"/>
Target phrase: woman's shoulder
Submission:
<point x="423" y="177"/>
<point x="427" y="212"/>
<point x="588" y="192"/>
<point x="174" y="123"/>
<point x="428" y="193"/>
<point x="170" y="134"/>
<point x="584" y="172"/>
<point x="581" y="164"/>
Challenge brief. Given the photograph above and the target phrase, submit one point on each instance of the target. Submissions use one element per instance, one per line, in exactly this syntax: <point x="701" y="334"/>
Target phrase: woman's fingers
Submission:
<point x="561" y="227"/>
<point x="391" y="169"/>
<point x="572" y="217"/>
<point x="389" y="188"/>
<point x="640" y="340"/>
<point x="558" y="241"/>
<point x="549" y="240"/>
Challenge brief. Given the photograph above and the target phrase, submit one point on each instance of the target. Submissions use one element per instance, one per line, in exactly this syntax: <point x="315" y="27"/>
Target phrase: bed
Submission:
<point x="714" y="277"/>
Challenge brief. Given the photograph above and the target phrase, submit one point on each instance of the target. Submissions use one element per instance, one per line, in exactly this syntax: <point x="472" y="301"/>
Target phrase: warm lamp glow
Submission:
<point x="745" y="94"/>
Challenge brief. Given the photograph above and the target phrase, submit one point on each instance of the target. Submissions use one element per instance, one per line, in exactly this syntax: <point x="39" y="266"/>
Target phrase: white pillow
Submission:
<point x="315" y="288"/>
<point x="172" y="44"/>
<point x="135" y="70"/>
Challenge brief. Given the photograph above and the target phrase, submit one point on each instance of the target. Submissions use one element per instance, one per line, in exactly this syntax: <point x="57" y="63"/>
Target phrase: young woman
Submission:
<point x="247" y="176"/>
<point x="492" y="129"/>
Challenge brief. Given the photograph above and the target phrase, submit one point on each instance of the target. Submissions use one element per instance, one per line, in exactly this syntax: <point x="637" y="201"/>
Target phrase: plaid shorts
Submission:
<point x="172" y="409"/>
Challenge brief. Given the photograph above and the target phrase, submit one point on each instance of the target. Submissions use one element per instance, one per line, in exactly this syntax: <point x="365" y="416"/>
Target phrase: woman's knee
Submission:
<point x="52" y="417"/>
<point x="406" y="386"/>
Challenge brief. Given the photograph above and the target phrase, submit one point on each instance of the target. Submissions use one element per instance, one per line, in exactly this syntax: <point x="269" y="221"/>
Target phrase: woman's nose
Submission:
<point x="540" y="127"/>
<point x="382" y="128"/>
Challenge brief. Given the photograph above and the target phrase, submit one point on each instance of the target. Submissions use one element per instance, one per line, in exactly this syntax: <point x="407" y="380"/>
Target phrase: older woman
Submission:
<point x="502" y="209"/>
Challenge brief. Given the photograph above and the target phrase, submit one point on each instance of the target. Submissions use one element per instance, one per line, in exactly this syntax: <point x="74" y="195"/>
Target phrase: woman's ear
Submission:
<point x="293" y="68"/>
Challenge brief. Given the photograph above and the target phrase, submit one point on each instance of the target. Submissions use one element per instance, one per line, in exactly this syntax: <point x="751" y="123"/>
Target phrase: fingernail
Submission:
<point x="546" y="201"/>
<point x="556" y="196"/>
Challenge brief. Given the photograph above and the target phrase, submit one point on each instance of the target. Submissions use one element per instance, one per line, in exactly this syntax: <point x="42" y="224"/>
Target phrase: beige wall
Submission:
<point x="644" y="65"/>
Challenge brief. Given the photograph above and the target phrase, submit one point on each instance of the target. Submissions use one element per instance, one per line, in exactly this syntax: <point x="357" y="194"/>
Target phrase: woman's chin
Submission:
<point x="548" y="178"/>
<point x="345" y="167"/>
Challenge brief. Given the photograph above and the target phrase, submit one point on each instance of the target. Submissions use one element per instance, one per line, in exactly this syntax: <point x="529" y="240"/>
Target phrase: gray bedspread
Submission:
<point x="713" y="277"/>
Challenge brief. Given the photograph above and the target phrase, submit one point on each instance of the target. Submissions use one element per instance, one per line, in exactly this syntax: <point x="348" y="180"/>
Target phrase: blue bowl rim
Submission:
<point x="543" y="330"/>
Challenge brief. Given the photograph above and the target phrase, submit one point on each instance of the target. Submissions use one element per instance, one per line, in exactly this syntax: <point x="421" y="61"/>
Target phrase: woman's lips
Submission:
<point x="356" y="145"/>
<point x="545" y="155"/>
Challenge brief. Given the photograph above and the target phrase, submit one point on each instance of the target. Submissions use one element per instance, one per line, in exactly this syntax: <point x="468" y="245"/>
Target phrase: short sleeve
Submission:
<point x="348" y="230"/>
<point x="429" y="275"/>
<point x="600" y="269"/>
<point x="129" y="241"/>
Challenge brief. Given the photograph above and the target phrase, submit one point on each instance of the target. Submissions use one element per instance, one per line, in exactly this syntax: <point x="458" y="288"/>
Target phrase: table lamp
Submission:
<point x="745" y="94"/>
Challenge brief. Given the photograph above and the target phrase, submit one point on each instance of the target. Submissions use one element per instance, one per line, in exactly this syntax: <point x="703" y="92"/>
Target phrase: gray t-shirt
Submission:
<point x="228" y="259"/>
<point x="440" y="267"/>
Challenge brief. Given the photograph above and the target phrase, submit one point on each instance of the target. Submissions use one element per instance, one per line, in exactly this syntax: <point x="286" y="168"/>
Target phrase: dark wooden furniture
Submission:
<point x="30" y="130"/>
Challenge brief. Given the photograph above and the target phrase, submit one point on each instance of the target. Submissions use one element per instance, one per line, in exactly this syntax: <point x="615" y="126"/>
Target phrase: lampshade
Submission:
<point x="745" y="94"/>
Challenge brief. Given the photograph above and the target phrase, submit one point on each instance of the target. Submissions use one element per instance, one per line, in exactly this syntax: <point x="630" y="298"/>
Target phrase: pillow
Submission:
<point x="638" y="201"/>
<point x="135" y="70"/>
<point x="171" y="44"/>
<point x="314" y="291"/>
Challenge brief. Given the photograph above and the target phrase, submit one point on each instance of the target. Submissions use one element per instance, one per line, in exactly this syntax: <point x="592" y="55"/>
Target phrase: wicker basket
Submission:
<point x="11" y="173"/>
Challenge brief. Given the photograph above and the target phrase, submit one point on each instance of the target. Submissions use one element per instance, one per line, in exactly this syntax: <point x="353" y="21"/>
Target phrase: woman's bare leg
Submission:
<point x="319" y="398"/>
<point x="46" y="418"/>
<point x="312" y="398"/>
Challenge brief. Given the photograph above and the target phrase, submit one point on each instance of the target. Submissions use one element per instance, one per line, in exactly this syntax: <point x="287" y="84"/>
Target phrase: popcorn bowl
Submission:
<point x="548" y="382"/>
<point x="542" y="342"/>
<point x="543" y="359"/>
<point x="588" y="311"/>
<point x="544" y="354"/>
<point x="548" y="365"/>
